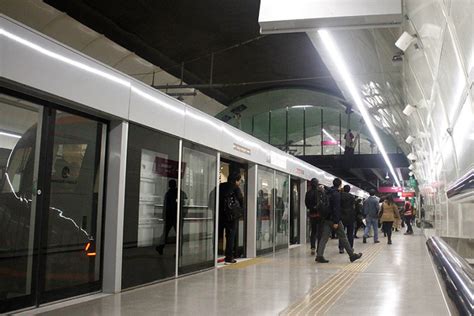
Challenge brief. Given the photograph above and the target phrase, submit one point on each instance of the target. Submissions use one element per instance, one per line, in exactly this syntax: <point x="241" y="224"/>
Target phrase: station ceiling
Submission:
<point x="175" y="33"/>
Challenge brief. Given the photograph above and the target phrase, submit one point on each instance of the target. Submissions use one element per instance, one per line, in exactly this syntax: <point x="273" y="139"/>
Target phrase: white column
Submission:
<point x="114" y="209"/>
<point x="303" y="188"/>
<point x="252" y="212"/>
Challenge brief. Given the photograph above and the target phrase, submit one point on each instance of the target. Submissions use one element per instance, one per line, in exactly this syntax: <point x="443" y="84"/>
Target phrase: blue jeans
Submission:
<point x="374" y="223"/>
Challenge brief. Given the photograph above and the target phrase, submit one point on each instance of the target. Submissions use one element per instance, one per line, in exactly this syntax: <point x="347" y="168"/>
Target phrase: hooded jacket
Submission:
<point x="371" y="207"/>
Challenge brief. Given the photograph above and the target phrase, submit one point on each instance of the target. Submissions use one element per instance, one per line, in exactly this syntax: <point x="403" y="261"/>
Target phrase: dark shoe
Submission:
<point x="230" y="261"/>
<point x="321" y="260"/>
<point x="355" y="256"/>
<point x="389" y="242"/>
<point x="313" y="251"/>
<point x="355" y="237"/>
<point x="341" y="250"/>
<point x="376" y="242"/>
<point x="160" y="249"/>
<point x="364" y="240"/>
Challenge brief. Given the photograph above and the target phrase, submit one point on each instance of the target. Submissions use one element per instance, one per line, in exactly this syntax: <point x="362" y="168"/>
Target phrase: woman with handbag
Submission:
<point x="388" y="214"/>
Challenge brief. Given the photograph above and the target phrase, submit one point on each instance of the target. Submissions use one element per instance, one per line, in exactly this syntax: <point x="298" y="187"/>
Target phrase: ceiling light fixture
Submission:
<point x="409" y="139"/>
<point x="411" y="156"/>
<point x="405" y="40"/>
<point x="340" y="64"/>
<point x="409" y="109"/>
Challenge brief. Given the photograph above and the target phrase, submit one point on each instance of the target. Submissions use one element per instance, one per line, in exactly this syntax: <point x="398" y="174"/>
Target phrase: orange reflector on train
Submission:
<point x="91" y="254"/>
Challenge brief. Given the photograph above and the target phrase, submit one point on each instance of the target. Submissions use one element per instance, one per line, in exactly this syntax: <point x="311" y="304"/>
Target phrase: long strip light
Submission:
<point x="341" y="66"/>
<point x="65" y="59"/>
<point x="10" y="135"/>
<point x="332" y="138"/>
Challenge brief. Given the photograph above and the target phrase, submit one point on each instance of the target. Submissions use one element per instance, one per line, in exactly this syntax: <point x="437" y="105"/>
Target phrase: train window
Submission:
<point x="18" y="122"/>
<point x="149" y="233"/>
<point x="197" y="223"/>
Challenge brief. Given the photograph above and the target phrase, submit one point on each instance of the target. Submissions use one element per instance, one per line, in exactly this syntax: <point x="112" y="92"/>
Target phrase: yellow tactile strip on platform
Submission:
<point x="246" y="263"/>
<point x="320" y="299"/>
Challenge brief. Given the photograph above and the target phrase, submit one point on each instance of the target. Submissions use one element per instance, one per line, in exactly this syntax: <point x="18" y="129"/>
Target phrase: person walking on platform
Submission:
<point x="348" y="216"/>
<point x="408" y="216"/>
<point x="313" y="196"/>
<point x="371" y="212"/>
<point x="388" y="214"/>
<point x="331" y="219"/>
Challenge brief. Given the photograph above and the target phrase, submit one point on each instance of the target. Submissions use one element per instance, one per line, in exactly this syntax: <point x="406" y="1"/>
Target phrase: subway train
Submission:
<point x="88" y="156"/>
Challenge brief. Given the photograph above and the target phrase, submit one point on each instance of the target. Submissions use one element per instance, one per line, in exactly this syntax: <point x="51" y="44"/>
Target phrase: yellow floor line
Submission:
<point x="329" y="283"/>
<point x="332" y="289"/>
<point x="246" y="263"/>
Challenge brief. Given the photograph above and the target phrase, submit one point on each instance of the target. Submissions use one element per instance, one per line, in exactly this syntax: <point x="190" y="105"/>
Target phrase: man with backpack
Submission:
<point x="330" y="211"/>
<point x="231" y="203"/>
<point x="311" y="200"/>
<point x="348" y="215"/>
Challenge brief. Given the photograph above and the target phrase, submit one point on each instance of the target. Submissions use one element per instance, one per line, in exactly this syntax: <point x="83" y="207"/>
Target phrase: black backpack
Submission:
<point x="322" y="205"/>
<point x="232" y="208"/>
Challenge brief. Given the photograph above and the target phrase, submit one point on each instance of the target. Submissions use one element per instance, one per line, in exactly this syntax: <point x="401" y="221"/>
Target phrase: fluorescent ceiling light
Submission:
<point x="10" y="135"/>
<point x="404" y="41"/>
<point x="409" y="139"/>
<point x="409" y="109"/>
<point x="301" y="106"/>
<point x="65" y="59"/>
<point x="344" y="73"/>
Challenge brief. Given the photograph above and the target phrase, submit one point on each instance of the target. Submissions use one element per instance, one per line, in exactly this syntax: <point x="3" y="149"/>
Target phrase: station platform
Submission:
<point x="397" y="279"/>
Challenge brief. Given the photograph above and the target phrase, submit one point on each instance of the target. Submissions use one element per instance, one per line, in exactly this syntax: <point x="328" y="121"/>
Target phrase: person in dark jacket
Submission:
<point x="170" y="207"/>
<point x="227" y="189"/>
<point x="348" y="216"/>
<point x="334" y="221"/>
<point x="359" y="217"/>
<point x="311" y="200"/>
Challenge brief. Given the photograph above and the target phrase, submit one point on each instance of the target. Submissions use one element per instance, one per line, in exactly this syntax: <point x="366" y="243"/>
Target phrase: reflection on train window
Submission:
<point x="67" y="163"/>
<point x="16" y="169"/>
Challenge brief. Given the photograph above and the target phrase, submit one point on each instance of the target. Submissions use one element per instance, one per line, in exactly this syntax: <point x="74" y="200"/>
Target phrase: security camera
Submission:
<point x="409" y="109"/>
<point x="409" y="139"/>
<point x="405" y="40"/>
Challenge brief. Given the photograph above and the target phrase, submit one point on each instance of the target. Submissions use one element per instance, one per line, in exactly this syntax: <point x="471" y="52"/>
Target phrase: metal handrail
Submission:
<point x="456" y="272"/>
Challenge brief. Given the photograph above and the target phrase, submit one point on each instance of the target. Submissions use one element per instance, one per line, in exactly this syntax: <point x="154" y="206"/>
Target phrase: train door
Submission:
<point x="295" y="211"/>
<point x="50" y="203"/>
<point x="228" y="167"/>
